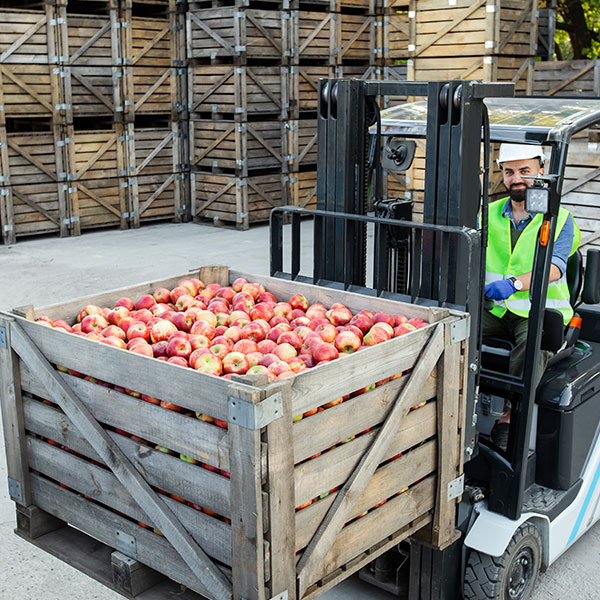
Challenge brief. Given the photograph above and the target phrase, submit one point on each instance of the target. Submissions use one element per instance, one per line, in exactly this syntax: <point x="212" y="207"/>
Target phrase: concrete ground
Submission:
<point x="49" y="270"/>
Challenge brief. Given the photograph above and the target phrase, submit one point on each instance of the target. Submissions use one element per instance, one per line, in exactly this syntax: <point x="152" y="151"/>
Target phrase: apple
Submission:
<point x="259" y="370"/>
<point x="162" y="295"/>
<point x="253" y="331"/>
<point x="159" y="348"/>
<point x="267" y="297"/>
<point x="238" y="284"/>
<point x="402" y="329"/>
<point x="236" y="362"/>
<point x="177" y="292"/>
<point x="245" y="346"/>
<point x="314" y="323"/>
<point x="193" y="311"/>
<point x="219" y="422"/>
<point x="217" y="305"/>
<point x="386" y="326"/>
<point x="284" y="351"/>
<point x="184" y="302"/>
<point x="178" y="360"/>
<point x="93" y="323"/>
<point x="180" y="334"/>
<point x="125" y="323"/>
<point x="227" y="293"/>
<point x="234" y="315"/>
<point x="198" y="341"/>
<point x="327" y="331"/>
<point x="399" y="319"/>
<point x="126" y="302"/>
<point x="254" y="358"/>
<point x="113" y="340"/>
<point x="299" y="301"/>
<point x="302" y="331"/>
<point x="277" y="320"/>
<point x="338" y="314"/>
<point x="143" y="315"/>
<point x="347" y="342"/>
<point x="307" y="359"/>
<point x="315" y="311"/>
<point x="324" y="352"/>
<point x="179" y="347"/>
<point x="90" y="309"/>
<point x="333" y="402"/>
<point x="292" y="338"/>
<point x="296" y="364"/>
<point x="220" y="350"/>
<point x="116" y="314"/>
<point x="300" y="322"/>
<point x="417" y="322"/>
<point x="278" y="367"/>
<point x="268" y="359"/>
<point x="262" y="310"/>
<point x="283" y="309"/>
<point x="276" y="331"/>
<point x="191" y="285"/>
<point x="61" y="324"/>
<point x="182" y="321"/>
<point x="266" y="346"/>
<point x="111" y="330"/>
<point x="253" y="289"/>
<point x="363" y="321"/>
<point x="203" y="327"/>
<point x="376" y="335"/>
<point x="383" y="317"/>
<point x="142" y="348"/>
<point x="162" y="330"/>
<point x="145" y="301"/>
<point x="208" y="316"/>
<point x="222" y="319"/>
<point x="195" y="355"/>
<point x="138" y="329"/>
<point x="233" y="333"/>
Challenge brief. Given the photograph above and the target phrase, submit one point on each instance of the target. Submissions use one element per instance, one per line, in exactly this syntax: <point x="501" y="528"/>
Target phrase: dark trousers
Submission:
<point x="514" y="328"/>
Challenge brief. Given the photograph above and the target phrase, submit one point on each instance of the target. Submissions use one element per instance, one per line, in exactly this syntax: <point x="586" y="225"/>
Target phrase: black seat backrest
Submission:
<point x="574" y="276"/>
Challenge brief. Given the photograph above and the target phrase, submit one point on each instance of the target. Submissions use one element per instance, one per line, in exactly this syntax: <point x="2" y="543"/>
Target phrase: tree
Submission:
<point x="580" y="21"/>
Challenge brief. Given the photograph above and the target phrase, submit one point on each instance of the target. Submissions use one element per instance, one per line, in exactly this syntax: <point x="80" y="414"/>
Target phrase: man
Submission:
<point x="512" y="238"/>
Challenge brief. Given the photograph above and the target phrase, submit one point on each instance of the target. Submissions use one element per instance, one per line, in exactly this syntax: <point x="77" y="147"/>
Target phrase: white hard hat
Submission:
<point x="510" y="152"/>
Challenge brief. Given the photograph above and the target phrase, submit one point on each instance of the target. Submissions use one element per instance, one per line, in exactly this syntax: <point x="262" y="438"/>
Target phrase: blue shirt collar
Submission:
<point x="508" y="213"/>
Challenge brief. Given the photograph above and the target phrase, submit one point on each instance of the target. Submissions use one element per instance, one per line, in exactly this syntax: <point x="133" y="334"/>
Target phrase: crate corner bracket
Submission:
<point x="255" y="416"/>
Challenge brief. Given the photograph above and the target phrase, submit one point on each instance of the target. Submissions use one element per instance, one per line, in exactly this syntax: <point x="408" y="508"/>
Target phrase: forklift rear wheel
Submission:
<point x="511" y="576"/>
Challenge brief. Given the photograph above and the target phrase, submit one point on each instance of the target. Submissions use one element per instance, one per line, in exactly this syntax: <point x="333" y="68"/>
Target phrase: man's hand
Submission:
<point x="500" y="290"/>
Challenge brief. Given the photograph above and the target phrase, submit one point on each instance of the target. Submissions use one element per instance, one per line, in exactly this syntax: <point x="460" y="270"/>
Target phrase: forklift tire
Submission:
<point x="511" y="576"/>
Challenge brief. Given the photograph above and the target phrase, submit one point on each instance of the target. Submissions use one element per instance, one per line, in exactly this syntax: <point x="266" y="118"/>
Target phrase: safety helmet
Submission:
<point x="510" y="152"/>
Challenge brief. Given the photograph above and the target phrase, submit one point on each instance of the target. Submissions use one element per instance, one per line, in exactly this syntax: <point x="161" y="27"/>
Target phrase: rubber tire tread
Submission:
<point x="483" y="573"/>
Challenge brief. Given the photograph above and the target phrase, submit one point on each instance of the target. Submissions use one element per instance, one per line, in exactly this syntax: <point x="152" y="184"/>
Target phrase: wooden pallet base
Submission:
<point x="112" y="569"/>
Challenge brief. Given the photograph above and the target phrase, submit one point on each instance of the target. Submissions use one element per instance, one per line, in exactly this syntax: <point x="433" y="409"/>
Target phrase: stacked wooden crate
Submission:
<point x="491" y="40"/>
<point x="237" y="58"/>
<point x="90" y="130"/>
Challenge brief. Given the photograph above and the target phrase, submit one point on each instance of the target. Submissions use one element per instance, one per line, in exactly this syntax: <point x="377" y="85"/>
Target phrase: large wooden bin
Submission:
<point x="369" y="471"/>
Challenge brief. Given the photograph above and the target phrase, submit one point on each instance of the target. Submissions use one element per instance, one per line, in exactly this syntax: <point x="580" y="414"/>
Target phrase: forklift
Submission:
<point x="522" y="506"/>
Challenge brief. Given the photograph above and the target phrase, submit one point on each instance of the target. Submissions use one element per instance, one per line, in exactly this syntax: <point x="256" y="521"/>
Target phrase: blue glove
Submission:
<point x="500" y="290"/>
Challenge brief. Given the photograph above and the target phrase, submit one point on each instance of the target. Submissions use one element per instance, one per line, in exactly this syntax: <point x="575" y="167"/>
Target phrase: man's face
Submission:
<point x="513" y="172"/>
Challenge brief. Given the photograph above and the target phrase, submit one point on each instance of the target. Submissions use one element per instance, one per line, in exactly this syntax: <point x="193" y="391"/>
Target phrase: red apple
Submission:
<point x="203" y="328"/>
<point x="221" y="339"/>
<point x="143" y="315"/>
<point x="235" y="315"/>
<point x="138" y="329"/>
<point x="236" y="362"/>
<point x="162" y="295"/>
<point x="142" y="348"/>
<point x="299" y="322"/>
<point x="179" y="347"/>
<point x="266" y="346"/>
<point x="126" y="302"/>
<point x="254" y="358"/>
<point x="111" y="330"/>
<point x="93" y="323"/>
<point x="284" y="351"/>
<point x="209" y="363"/>
<point x="195" y="355"/>
<point x="116" y="314"/>
<point x="222" y="319"/>
<point x="283" y="309"/>
<point x="315" y="311"/>
<point x="324" y="352"/>
<point x="402" y="329"/>
<point x="253" y="331"/>
<point x="292" y="338"/>
<point x="198" y="341"/>
<point x="386" y="326"/>
<point x="253" y="289"/>
<point x="238" y="284"/>
<point x="296" y="364"/>
<point x="347" y="342"/>
<point x="417" y="322"/>
<point x="363" y="321"/>
<point x="299" y="301"/>
<point x="399" y="319"/>
<point x="113" y="340"/>
<point x="178" y="360"/>
<point x="268" y="359"/>
<point x="159" y="348"/>
<point x="233" y="333"/>
<point x="227" y="293"/>
<point x="376" y="335"/>
<point x="190" y="285"/>
<point x="61" y="324"/>
<point x="302" y="331"/>
<point x="145" y="301"/>
<point x="277" y="320"/>
<point x="262" y="310"/>
<point x="258" y="370"/>
<point x="90" y="309"/>
<point x="208" y="316"/>
<point x="383" y="317"/>
<point x="162" y="330"/>
<point x="182" y="321"/>
<point x="338" y="314"/>
<point x="327" y="332"/>
<point x="276" y="331"/>
<point x="278" y="367"/>
<point x="220" y="350"/>
<point x="245" y="346"/>
<point x="177" y="292"/>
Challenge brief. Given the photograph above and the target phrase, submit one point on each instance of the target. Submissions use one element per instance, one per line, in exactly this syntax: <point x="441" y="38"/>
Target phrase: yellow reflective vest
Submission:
<point x="502" y="262"/>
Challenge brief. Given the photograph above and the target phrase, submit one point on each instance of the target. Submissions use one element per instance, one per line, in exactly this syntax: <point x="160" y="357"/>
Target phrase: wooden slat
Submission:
<point x="336" y="424"/>
<point x="114" y="458"/>
<point x="133" y="371"/>
<point x="12" y="416"/>
<point x="23" y="38"/>
<point x="571" y="79"/>
<point x="354" y="487"/>
<point x="201" y="441"/>
<point x="166" y="472"/>
<point x="151" y="549"/>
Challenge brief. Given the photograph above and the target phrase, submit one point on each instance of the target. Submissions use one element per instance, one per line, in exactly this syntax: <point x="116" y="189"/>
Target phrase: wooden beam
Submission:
<point x="571" y="79"/>
<point x="338" y="514"/>
<point x="581" y="181"/>
<point x="116" y="460"/>
<point x="26" y="200"/>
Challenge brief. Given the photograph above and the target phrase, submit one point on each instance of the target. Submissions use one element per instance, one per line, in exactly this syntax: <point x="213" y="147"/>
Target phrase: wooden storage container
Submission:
<point x="332" y="37"/>
<point x="517" y="70"/>
<point x="394" y="36"/>
<point x="27" y="90"/>
<point x="237" y="33"/>
<point x="567" y="77"/>
<point x="300" y="189"/>
<point x="34" y="196"/>
<point x="235" y="201"/>
<point x="369" y="471"/>
<point x="236" y="148"/>
<point x="230" y="91"/>
<point x="501" y="27"/>
<point x="301" y="149"/>
<point x="24" y="36"/>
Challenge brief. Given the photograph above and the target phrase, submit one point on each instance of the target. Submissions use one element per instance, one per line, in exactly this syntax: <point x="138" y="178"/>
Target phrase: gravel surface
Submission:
<point x="47" y="270"/>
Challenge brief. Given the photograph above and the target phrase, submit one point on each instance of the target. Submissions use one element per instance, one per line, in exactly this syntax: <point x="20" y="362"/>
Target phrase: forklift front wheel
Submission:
<point x="511" y="576"/>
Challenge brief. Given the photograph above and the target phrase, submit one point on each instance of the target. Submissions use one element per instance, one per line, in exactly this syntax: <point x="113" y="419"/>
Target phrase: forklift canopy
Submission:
<point x="519" y="120"/>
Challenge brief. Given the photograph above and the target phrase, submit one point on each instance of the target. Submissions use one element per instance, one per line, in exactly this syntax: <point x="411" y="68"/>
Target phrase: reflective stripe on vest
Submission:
<point x="502" y="263"/>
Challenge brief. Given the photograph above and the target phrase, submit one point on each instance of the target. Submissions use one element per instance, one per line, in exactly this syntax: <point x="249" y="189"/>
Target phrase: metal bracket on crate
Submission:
<point x="459" y="331"/>
<point x="126" y="544"/>
<point x="15" y="489"/>
<point x="456" y="487"/>
<point x="255" y="416"/>
<point x="3" y="344"/>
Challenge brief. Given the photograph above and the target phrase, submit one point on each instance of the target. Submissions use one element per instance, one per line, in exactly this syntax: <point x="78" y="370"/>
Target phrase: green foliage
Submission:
<point x="576" y="21"/>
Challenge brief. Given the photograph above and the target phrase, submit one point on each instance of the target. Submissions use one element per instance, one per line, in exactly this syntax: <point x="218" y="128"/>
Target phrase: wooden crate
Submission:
<point x="237" y="33"/>
<point x="155" y="171"/>
<point x="370" y="453"/>
<point x="301" y="144"/>
<point x="467" y="28"/>
<point x="300" y="189"/>
<point x="395" y="38"/>
<point x="35" y="195"/>
<point x="236" y="148"/>
<point x="517" y="70"/>
<point x="332" y="37"/>
<point x="228" y="91"/>
<point x="236" y="201"/>
<point x="24" y="36"/>
<point x="581" y="187"/>
<point x="27" y="90"/>
<point x="546" y="30"/>
<point x="567" y="78"/>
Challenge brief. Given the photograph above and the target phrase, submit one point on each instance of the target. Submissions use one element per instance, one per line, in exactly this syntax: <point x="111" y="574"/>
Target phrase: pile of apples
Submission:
<point x="237" y="329"/>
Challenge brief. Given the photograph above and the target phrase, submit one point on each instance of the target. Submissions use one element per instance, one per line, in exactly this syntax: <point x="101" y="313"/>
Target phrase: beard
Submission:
<point x="517" y="193"/>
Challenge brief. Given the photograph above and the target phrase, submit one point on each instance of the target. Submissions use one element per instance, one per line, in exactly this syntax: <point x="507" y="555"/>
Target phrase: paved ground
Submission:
<point x="48" y="270"/>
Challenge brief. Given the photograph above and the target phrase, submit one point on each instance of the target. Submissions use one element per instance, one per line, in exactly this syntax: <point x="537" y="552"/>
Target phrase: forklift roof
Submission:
<point x="521" y="120"/>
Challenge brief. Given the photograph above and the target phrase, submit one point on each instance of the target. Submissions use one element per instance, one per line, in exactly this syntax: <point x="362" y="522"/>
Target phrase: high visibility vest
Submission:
<point x="502" y="262"/>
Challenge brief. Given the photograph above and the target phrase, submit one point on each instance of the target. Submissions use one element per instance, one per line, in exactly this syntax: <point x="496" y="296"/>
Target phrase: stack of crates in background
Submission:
<point x="238" y="103"/>
<point x="91" y="126"/>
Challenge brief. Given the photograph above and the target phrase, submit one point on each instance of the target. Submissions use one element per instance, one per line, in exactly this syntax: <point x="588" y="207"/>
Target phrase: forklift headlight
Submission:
<point x="537" y="200"/>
